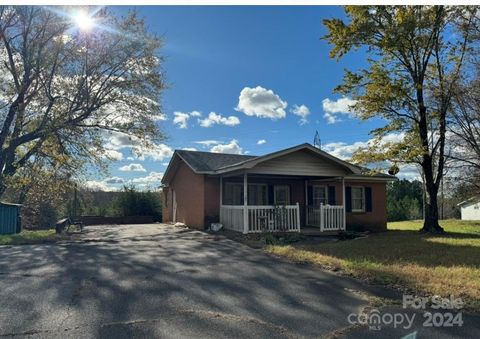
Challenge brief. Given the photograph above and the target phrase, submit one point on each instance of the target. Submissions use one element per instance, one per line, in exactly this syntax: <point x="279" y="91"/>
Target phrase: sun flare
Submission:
<point x="83" y="21"/>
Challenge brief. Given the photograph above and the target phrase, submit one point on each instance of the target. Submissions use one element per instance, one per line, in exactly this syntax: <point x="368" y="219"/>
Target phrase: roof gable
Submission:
<point x="250" y="163"/>
<point x="321" y="163"/>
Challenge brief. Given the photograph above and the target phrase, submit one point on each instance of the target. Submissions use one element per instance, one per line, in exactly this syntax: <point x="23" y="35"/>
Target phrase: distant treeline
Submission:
<point x="405" y="201"/>
<point x="127" y="202"/>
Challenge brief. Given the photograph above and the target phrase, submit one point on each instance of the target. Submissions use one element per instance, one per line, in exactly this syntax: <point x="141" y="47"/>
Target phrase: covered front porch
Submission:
<point x="254" y="203"/>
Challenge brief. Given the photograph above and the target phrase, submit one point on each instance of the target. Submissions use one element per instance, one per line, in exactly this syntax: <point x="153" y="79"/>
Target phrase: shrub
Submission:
<point x="134" y="203"/>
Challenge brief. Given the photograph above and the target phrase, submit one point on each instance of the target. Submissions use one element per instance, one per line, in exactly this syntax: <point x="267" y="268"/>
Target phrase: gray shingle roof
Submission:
<point x="219" y="163"/>
<point x="207" y="161"/>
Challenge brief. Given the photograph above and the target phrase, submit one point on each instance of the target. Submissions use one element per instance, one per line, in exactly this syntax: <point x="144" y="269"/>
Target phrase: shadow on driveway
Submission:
<point x="160" y="281"/>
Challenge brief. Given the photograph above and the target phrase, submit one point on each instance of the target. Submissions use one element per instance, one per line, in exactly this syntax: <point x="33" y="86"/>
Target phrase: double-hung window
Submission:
<point x="233" y="194"/>
<point x="281" y="195"/>
<point x="257" y="194"/>
<point x="358" y="199"/>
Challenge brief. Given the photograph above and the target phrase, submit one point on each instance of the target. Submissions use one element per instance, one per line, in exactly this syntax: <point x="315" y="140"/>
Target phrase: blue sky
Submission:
<point x="254" y="67"/>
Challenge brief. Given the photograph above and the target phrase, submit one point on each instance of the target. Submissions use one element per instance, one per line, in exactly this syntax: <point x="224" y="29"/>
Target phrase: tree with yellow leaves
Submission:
<point x="416" y="56"/>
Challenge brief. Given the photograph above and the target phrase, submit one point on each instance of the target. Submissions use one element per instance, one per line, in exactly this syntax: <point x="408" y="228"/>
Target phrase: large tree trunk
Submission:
<point x="430" y="223"/>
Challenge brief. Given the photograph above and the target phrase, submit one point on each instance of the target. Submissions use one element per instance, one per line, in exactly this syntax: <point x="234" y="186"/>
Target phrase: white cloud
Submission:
<point x="343" y="150"/>
<point x="214" y="118"/>
<point x="262" y="103"/>
<point x="261" y="142"/>
<point x="303" y="112"/>
<point x="409" y="172"/>
<point x="114" y="180"/>
<point x="334" y="108"/>
<point x="393" y="137"/>
<point x="160" y="117"/>
<point x="181" y="119"/>
<point x="117" y="140"/>
<point x="156" y="152"/>
<point x="141" y="149"/>
<point x="113" y="155"/>
<point x="151" y="178"/>
<point x="232" y="148"/>
<point x="195" y="114"/>
<point x="94" y="185"/>
<point x="132" y="168"/>
<point x="207" y="142"/>
<point x="189" y="149"/>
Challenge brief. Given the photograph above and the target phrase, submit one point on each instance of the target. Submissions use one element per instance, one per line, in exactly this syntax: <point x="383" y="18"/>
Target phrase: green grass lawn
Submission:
<point x="28" y="237"/>
<point x="427" y="264"/>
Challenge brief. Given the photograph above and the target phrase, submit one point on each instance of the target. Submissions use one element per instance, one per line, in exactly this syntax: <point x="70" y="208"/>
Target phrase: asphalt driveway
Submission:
<point x="161" y="281"/>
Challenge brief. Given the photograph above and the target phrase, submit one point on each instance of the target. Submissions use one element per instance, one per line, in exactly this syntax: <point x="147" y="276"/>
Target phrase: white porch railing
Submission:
<point x="327" y="217"/>
<point x="274" y="218"/>
<point x="262" y="218"/>
<point x="232" y="217"/>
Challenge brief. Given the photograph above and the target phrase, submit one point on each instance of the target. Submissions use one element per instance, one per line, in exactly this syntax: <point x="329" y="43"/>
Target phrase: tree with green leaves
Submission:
<point x="404" y="200"/>
<point x="68" y="78"/>
<point x="416" y="56"/>
<point x="132" y="202"/>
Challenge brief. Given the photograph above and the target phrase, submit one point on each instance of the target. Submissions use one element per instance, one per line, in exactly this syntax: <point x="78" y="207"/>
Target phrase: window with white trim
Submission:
<point x="281" y="195"/>
<point x="257" y="194"/>
<point x="319" y="195"/>
<point x="358" y="199"/>
<point x="233" y="194"/>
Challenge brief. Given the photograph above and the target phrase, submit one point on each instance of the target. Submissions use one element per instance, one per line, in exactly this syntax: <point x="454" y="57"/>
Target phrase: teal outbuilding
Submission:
<point x="10" y="218"/>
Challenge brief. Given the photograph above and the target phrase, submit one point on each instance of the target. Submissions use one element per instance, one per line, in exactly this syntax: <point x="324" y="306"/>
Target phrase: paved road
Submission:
<point x="147" y="281"/>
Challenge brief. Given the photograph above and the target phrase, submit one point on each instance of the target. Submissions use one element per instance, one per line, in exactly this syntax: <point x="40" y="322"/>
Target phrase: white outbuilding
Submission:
<point x="470" y="209"/>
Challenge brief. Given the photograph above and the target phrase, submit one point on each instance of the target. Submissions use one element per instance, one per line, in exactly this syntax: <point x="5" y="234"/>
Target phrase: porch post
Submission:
<point x="344" y="204"/>
<point x="322" y="218"/>
<point x="306" y="202"/>
<point x="221" y="191"/>
<point x="245" y="203"/>
<point x="298" y="217"/>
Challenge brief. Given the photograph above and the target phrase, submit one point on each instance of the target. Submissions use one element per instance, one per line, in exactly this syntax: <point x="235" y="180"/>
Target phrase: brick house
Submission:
<point x="292" y="190"/>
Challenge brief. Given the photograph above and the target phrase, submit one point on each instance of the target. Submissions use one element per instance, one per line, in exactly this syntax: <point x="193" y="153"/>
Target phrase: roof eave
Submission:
<point x="472" y="200"/>
<point x="364" y="177"/>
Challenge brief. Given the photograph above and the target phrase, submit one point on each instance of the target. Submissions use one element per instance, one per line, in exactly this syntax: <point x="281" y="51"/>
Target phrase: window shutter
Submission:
<point x="309" y="195"/>
<point x="270" y="195"/>
<point x="348" y="198"/>
<point x="331" y="195"/>
<point x="368" y="199"/>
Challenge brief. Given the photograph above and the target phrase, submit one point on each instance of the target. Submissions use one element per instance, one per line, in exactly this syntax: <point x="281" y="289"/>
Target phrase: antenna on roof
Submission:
<point x="316" y="141"/>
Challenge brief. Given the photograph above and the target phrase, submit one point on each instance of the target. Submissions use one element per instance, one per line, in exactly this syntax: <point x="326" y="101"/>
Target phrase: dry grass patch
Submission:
<point x="444" y="265"/>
